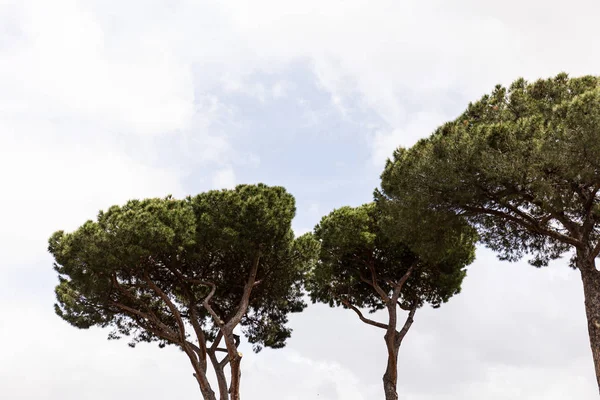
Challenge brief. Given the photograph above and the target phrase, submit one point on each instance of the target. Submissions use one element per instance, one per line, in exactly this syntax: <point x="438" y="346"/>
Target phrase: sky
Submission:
<point x="104" y="101"/>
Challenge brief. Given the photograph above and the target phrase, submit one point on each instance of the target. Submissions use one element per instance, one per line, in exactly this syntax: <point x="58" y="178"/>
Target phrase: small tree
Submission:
<point x="187" y="273"/>
<point x="522" y="165"/>
<point x="363" y="267"/>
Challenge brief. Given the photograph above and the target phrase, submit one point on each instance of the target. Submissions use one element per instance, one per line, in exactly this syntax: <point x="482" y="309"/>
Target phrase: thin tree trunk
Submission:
<point x="591" y="290"/>
<point x="235" y="359"/>
<point x="221" y="378"/>
<point x="390" y="377"/>
<point x="393" y="340"/>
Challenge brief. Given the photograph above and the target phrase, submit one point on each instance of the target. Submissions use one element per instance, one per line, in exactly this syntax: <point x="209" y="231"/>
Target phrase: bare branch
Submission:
<point x="172" y="307"/>
<point x="375" y="285"/>
<point x="224" y="362"/>
<point x="206" y="302"/>
<point x="149" y="315"/>
<point x="532" y="226"/>
<point x="199" y="332"/>
<point x="400" y="284"/>
<point x="362" y="317"/>
<point x="194" y="317"/>
<point x="243" y="305"/>
<point x="407" y="324"/>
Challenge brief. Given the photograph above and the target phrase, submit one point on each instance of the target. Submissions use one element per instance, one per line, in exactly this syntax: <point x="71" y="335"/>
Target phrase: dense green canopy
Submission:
<point x="152" y="268"/>
<point x="355" y="246"/>
<point x="522" y="165"/>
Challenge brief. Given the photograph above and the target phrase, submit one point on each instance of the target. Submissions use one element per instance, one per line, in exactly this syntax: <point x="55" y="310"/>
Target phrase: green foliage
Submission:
<point x="522" y="165"/>
<point x="107" y="268"/>
<point x="355" y="246"/>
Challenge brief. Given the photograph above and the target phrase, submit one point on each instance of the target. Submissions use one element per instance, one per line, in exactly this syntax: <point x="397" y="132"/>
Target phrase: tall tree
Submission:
<point x="522" y="165"/>
<point x="361" y="266"/>
<point x="187" y="273"/>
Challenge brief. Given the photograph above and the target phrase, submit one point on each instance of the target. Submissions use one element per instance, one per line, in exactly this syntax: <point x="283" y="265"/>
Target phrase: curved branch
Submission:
<point x="150" y="315"/>
<point x="199" y="333"/>
<point x="399" y="285"/>
<point x="362" y="317"/>
<point x="243" y="305"/>
<point x="166" y="333"/>
<point x="373" y="282"/>
<point x="534" y="227"/>
<point x="206" y="302"/>
<point x="169" y="303"/>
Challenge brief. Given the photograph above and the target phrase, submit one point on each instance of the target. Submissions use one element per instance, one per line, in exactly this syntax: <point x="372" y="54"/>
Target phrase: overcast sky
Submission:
<point x="103" y="101"/>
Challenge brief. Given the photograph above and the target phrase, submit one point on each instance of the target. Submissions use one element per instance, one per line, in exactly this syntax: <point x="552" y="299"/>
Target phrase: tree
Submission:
<point x="187" y="273"/>
<point x="522" y="165"/>
<point x="360" y="266"/>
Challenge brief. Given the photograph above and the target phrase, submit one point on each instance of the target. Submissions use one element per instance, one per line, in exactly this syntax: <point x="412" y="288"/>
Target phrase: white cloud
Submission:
<point x="384" y="143"/>
<point x="50" y="183"/>
<point x="279" y="90"/>
<point x="102" y="101"/>
<point x="224" y="179"/>
<point x="320" y="379"/>
<point x="64" y="68"/>
<point x="402" y="59"/>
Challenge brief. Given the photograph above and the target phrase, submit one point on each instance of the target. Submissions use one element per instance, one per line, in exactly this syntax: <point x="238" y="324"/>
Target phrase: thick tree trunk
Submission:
<point x="199" y="373"/>
<point x="205" y="389"/>
<point x="208" y="394"/>
<point x="235" y="359"/>
<point x="236" y="375"/>
<point x="591" y="290"/>
<point x="390" y="378"/>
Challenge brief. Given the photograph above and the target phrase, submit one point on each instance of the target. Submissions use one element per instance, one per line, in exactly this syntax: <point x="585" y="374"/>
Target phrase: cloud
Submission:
<point x="64" y="69"/>
<point x="320" y="379"/>
<point x="398" y="60"/>
<point x="102" y="101"/>
<point x="224" y="179"/>
<point x="50" y="183"/>
<point x="384" y="143"/>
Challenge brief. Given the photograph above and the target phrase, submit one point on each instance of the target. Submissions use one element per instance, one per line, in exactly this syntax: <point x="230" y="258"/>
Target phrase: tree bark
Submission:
<point x="591" y="290"/>
<point x="235" y="359"/>
<point x="221" y="378"/>
<point x="200" y="375"/>
<point x="393" y="340"/>
<point x="390" y="377"/>
<point x="207" y="392"/>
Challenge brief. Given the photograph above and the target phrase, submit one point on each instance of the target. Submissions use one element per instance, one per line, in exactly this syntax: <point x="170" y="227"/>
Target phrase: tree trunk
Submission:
<point x="390" y="378"/>
<point x="221" y="378"/>
<point x="207" y="392"/>
<point x="199" y="374"/>
<point x="591" y="290"/>
<point x="393" y="340"/>
<point x="235" y="359"/>
<point x="236" y="375"/>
